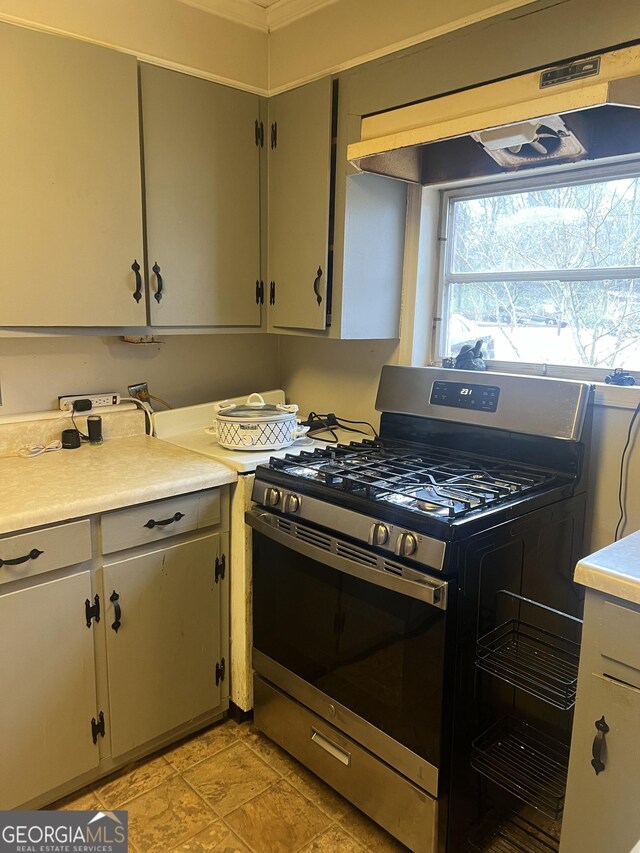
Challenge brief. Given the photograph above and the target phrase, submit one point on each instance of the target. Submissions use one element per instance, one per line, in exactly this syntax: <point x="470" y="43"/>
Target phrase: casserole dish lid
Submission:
<point x="255" y="408"/>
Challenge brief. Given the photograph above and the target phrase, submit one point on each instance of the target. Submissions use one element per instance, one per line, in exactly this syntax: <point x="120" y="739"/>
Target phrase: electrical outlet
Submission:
<point x="140" y="391"/>
<point x="97" y="400"/>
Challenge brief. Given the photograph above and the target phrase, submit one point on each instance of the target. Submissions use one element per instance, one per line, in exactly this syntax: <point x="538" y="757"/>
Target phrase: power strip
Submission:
<point x="96" y="400"/>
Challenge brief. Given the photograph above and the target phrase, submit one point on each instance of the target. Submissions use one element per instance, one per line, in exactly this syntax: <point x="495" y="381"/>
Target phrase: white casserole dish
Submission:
<point x="256" y="425"/>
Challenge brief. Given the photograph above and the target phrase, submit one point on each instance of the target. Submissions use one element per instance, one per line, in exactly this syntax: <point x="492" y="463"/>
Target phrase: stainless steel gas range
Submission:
<point x="377" y="566"/>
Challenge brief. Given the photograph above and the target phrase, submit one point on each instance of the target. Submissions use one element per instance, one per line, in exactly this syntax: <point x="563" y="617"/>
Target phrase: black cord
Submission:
<point x="622" y="460"/>
<point x="73" y="421"/>
<point x="330" y="422"/>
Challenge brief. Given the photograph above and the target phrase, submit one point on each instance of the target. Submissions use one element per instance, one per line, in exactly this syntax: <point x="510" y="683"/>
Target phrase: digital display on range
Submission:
<point x="459" y="395"/>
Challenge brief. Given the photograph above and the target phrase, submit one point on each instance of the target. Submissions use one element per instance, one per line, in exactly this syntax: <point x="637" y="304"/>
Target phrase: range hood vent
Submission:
<point x="585" y="110"/>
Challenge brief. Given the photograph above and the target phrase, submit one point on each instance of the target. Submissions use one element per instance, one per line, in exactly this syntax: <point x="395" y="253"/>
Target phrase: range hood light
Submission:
<point x="507" y="137"/>
<point x="543" y="140"/>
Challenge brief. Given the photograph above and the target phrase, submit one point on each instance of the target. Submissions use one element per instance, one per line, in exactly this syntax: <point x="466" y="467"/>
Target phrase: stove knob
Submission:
<point x="292" y="503"/>
<point x="272" y="496"/>
<point x="406" y="545"/>
<point x="379" y="534"/>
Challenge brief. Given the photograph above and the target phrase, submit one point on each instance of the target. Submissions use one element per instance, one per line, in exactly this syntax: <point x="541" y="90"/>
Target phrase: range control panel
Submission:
<point x="465" y="395"/>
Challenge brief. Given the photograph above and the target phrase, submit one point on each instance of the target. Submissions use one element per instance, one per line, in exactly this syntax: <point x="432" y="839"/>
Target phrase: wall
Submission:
<point x="170" y="33"/>
<point x="359" y="30"/>
<point x="183" y="370"/>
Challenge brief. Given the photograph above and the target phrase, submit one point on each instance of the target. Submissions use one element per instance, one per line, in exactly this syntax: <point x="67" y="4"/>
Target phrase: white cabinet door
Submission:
<point x="299" y="141"/>
<point x="47" y="678"/>
<point x="70" y="179"/>
<point x="202" y="187"/>
<point x="162" y="658"/>
<point x="601" y="812"/>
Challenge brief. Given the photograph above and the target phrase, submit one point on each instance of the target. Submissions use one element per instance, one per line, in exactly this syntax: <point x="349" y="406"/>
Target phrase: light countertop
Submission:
<point x="120" y="472"/>
<point x="614" y="570"/>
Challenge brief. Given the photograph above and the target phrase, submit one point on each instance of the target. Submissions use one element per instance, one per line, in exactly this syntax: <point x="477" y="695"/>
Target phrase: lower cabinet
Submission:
<point x="601" y="808"/>
<point x="164" y="639"/>
<point x="106" y="658"/>
<point x="47" y="677"/>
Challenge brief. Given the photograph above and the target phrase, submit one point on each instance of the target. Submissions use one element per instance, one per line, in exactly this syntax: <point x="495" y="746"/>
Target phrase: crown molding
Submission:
<point x="244" y="12"/>
<point x="283" y="12"/>
<point x="264" y="15"/>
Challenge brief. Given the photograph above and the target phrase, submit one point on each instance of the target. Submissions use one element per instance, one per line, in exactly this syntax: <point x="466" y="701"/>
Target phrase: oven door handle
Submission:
<point x="424" y="588"/>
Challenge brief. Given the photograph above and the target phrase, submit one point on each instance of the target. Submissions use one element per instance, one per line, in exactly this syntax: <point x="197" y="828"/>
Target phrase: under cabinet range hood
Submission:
<point x="586" y="109"/>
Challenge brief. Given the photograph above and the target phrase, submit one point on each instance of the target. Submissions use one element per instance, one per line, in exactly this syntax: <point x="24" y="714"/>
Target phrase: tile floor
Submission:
<point x="231" y="790"/>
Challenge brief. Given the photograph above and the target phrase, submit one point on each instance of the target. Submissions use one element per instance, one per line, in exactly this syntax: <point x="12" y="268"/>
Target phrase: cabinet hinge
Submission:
<point x="274" y="134"/>
<point x="259" y="134"/>
<point x="272" y="293"/>
<point x="97" y="728"/>
<point x="220" y="670"/>
<point x="220" y="568"/>
<point x="92" y="612"/>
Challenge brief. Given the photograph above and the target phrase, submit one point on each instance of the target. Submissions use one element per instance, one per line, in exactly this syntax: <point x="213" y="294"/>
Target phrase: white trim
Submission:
<point x="142" y="57"/>
<point x="244" y="12"/>
<point x="284" y="12"/>
<point x="263" y="15"/>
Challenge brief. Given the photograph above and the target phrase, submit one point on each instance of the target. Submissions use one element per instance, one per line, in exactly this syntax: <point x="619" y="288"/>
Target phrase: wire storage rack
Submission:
<point x="512" y="833"/>
<point x="524" y="761"/>
<point x="532" y="658"/>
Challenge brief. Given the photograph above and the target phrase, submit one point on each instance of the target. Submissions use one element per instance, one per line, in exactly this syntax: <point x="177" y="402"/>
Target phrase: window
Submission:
<point x="545" y="270"/>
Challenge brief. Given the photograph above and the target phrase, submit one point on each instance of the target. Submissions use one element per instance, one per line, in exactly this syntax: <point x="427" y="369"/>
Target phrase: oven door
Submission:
<point x="357" y="638"/>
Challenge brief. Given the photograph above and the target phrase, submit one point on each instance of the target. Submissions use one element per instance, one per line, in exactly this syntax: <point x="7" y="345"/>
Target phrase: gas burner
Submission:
<point x="430" y="481"/>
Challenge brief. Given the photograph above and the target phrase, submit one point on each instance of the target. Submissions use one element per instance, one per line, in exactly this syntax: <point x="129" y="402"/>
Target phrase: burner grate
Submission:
<point x="433" y="481"/>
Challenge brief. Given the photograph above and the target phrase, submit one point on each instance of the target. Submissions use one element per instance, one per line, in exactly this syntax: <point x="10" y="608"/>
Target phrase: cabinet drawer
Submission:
<point x="29" y="554"/>
<point x="153" y="522"/>
<point x="622" y="641"/>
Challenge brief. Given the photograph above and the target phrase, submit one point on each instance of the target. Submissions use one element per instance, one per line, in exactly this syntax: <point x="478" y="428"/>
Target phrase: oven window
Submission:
<point x="377" y="652"/>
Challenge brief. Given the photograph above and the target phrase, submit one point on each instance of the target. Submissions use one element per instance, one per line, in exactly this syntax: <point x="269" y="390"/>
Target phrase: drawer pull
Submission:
<point x="32" y="555"/>
<point x="332" y="748"/>
<point x="152" y="523"/>
<point x="114" y="598"/>
<point x="598" y="742"/>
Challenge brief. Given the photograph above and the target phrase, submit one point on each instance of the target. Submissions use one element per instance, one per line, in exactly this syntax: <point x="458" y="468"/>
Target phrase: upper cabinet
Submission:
<point x="336" y="240"/>
<point x="70" y="180"/>
<point x="108" y="165"/>
<point x="299" y="141"/>
<point x="201" y="145"/>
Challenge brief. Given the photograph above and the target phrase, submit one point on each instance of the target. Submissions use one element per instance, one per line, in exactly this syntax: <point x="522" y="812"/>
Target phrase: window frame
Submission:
<point x="545" y="178"/>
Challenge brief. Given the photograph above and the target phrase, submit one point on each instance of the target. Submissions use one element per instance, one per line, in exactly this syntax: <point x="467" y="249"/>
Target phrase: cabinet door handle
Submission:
<point x="257" y="292"/>
<point x="32" y="555"/>
<point x="598" y="742"/>
<point x="274" y="134"/>
<point x="153" y="523"/>
<point x="316" y="285"/>
<point x="114" y="597"/>
<point x="137" y="293"/>
<point x="158" y="294"/>
<point x="272" y="293"/>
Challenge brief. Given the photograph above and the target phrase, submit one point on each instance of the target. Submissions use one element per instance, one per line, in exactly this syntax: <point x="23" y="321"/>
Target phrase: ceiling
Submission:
<point x="263" y="15"/>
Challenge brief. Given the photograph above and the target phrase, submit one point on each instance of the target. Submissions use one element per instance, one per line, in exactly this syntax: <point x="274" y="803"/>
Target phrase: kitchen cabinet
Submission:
<point x="48" y="688"/>
<point x="601" y="810"/>
<point x="299" y="142"/>
<point x="164" y="642"/>
<point x="201" y="146"/>
<point x="71" y="212"/>
<point x="336" y="241"/>
<point x="107" y="658"/>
